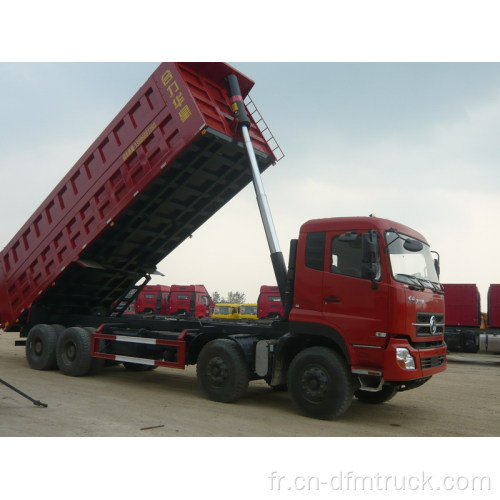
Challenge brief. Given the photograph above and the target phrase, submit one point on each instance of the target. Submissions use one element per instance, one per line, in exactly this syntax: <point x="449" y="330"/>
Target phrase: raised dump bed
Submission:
<point x="169" y="160"/>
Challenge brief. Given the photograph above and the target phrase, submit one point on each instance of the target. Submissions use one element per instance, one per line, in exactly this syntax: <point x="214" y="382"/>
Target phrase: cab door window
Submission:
<point x="348" y="257"/>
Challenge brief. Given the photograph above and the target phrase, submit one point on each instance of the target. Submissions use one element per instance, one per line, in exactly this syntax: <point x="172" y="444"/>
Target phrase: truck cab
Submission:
<point x="190" y="300"/>
<point x="369" y="288"/>
<point x="248" y="311"/>
<point x="153" y="299"/>
<point x="269" y="303"/>
<point x="226" y="311"/>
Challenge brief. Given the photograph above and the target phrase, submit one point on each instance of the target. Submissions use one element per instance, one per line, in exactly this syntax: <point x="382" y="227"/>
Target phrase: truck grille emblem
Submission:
<point x="432" y="325"/>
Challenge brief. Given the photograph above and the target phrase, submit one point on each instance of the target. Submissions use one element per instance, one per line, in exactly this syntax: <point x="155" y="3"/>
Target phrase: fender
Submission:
<point x="299" y="328"/>
<point x="303" y="334"/>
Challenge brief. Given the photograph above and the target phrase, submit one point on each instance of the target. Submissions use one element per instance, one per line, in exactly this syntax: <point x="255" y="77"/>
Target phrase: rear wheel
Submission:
<point x="222" y="371"/>
<point x="41" y="347"/>
<point x="97" y="363"/>
<point x="320" y="383"/>
<point x="73" y="353"/>
<point x="374" y="398"/>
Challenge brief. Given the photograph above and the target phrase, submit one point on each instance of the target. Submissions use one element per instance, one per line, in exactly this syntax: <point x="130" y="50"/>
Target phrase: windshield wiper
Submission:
<point x="417" y="285"/>
<point x="437" y="287"/>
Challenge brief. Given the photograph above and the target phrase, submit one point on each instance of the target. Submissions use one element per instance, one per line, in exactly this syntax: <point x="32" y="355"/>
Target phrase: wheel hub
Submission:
<point x="38" y="347"/>
<point x="70" y="351"/>
<point x="314" y="383"/>
<point x="217" y="371"/>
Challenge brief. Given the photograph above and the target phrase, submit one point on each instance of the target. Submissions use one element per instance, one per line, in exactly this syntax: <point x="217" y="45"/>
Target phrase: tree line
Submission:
<point x="232" y="298"/>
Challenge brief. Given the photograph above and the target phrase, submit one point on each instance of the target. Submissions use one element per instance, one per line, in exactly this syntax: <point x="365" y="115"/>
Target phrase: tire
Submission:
<point x="41" y="347"/>
<point x="320" y="383"/>
<point x="375" y="398"/>
<point x="97" y="363"/>
<point x="73" y="352"/>
<point x="59" y="329"/>
<point x="222" y="371"/>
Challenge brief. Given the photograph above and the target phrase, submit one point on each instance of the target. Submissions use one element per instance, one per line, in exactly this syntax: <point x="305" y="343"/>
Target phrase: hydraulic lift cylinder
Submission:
<point x="238" y="108"/>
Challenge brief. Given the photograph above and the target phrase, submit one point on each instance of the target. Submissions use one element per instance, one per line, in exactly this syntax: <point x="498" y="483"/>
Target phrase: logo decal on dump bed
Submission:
<point x="139" y="141"/>
<point x="175" y="95"/>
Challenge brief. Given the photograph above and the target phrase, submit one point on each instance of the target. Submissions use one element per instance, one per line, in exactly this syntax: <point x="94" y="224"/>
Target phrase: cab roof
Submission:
<point x="358" y="223"/>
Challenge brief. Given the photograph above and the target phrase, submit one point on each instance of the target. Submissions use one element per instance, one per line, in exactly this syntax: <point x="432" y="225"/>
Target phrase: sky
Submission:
<point x="412" y="142"/>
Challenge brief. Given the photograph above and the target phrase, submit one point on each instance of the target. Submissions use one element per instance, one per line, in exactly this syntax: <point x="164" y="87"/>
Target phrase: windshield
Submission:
<point x="416" y="268"/>
<point x="248" y="309"/>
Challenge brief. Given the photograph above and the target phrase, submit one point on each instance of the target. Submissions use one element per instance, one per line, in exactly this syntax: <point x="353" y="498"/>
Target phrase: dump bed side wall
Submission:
<point x="174" y="107"/>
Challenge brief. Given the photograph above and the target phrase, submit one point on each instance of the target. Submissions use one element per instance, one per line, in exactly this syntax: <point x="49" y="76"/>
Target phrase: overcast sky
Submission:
<point x="412" y="142"/>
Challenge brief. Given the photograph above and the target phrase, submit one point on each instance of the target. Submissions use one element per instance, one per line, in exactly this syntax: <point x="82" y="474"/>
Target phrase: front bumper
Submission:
<point x="428" y="361"/>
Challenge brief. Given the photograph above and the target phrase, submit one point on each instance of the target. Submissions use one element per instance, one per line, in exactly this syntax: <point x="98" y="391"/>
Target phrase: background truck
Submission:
<point x="463" y="317"/>
<point x="363" y="307"/>
<point x="467" y="329"/>
<point x="269" y="303"/>
<point x="189" y="300"/>
<point x="226" y="311"/>
<point x="248" y="311"/>
<point x="153" y="299"/>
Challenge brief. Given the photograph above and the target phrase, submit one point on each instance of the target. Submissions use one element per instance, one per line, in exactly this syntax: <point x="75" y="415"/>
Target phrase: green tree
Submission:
<point x="235" y="297"/>
<point x="232" y="298"/>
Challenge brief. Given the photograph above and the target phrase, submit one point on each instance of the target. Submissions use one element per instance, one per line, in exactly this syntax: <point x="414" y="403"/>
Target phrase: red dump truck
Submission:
<point x="467" y="329"/>
<point x="363" y="307"/>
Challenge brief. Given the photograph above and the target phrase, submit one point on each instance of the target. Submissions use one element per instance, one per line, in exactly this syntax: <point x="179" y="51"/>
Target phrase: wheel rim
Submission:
<point x="217" y="371"/>
<point x="70" y="351"/>
<point x="314" y="384"/>
<point x="38" y="347"/>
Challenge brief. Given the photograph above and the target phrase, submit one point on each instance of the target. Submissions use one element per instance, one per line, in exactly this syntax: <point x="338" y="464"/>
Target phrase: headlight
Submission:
<point x="404" y="359"/>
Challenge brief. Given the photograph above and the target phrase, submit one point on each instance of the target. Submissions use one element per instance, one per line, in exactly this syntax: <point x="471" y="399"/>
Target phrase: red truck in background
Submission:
<point x="466" y="329"/>
<point x="190" y="300"/>
<point x="269" y="303"/>
<point x="493" y="316"/>
<point x="153" y="299"/>
<point x="363" y="307"/>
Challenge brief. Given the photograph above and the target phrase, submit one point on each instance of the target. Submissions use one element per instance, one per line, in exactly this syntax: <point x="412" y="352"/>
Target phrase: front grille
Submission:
<point x="427" y="344"/>
<point x="426" y="363"/>
<point x="423" y="324"/>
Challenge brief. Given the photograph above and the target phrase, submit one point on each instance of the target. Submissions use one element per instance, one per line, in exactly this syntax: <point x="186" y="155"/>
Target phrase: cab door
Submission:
<point x="355" y="300"/>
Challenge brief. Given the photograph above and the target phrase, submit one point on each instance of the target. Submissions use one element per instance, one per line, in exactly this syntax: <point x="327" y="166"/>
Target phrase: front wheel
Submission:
<point x="374" y="398"/>
<point x="222" y="371"/>
<point x="320" y="383"/>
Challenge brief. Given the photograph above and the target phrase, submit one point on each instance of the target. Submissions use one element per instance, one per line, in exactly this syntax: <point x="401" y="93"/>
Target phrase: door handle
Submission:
<point x="332" y="299"/>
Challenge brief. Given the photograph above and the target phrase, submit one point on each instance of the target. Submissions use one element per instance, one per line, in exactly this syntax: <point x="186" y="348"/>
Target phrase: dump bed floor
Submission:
<point x="205" y="177"/>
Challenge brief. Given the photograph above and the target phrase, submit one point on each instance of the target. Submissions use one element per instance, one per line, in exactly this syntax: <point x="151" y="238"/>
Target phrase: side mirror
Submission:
<point x="369" y="247"/>
<point x="370" y="271"/>
<point x="370" y="267"/>
<point x="437" y="267"/>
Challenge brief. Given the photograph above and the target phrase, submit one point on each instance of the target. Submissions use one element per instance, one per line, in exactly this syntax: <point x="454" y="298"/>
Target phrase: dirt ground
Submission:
<point x="462" y="401"/>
